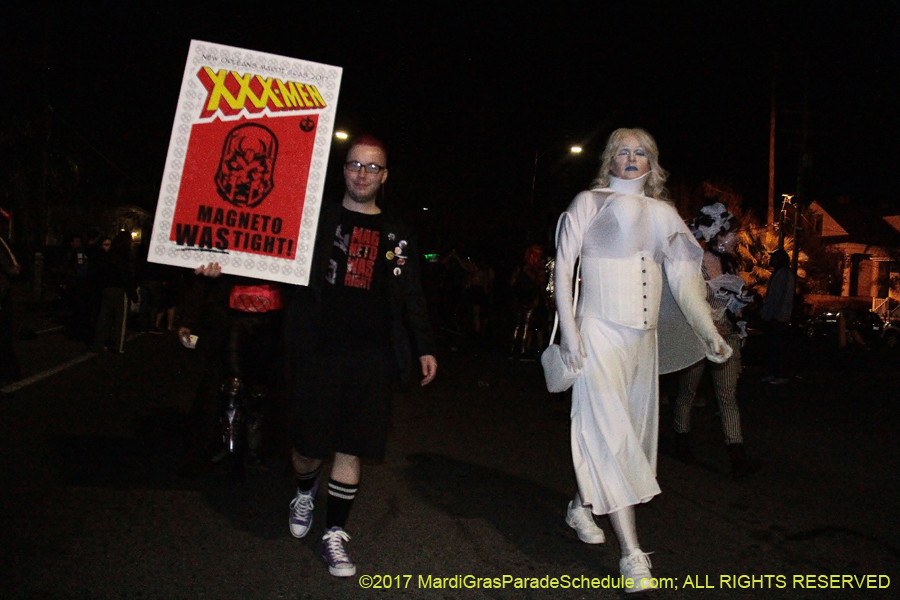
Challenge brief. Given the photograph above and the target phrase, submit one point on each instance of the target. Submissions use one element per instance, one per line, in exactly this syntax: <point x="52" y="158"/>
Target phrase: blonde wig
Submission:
<point x="656" y="180"/>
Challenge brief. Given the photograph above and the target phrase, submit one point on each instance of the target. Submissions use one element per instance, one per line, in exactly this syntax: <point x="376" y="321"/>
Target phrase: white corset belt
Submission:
<point x="625" y="291"/>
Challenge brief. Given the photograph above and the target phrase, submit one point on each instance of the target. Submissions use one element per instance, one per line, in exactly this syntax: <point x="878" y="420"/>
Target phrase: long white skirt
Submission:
<point x="615" y="417"/>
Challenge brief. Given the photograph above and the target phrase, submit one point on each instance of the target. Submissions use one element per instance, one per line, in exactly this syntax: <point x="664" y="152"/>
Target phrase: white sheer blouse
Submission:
<point x="630" y="245"/>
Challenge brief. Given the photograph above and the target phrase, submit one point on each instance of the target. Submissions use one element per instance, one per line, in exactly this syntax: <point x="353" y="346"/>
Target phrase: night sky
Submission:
<point x="466" y="94"/>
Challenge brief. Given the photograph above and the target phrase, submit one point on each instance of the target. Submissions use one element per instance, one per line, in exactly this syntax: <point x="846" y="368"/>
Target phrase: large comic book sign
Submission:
<point x="246" y="165"/>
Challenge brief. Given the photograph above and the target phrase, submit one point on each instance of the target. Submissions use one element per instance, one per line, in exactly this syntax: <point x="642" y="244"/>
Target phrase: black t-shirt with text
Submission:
<point x="355" y="308"/>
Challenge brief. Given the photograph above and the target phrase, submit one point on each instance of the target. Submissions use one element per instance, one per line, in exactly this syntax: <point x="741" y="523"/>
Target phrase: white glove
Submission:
<point x="717" y="349"/>
<point x="571" y="349"/>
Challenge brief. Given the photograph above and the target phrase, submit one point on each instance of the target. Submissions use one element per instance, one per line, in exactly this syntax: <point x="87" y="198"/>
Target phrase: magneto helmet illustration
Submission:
<point x="246" y="172"/>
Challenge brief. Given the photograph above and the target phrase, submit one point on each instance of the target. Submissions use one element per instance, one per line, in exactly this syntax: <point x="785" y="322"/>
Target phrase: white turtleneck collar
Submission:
<point x="633" y="187"/>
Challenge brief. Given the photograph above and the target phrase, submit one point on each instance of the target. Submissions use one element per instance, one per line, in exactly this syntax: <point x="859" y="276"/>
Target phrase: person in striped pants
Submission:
<point x="715" y="227"/>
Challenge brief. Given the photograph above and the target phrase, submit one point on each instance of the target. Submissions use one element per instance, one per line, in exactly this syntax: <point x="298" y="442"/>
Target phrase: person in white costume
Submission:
<point x="629" y="241"/>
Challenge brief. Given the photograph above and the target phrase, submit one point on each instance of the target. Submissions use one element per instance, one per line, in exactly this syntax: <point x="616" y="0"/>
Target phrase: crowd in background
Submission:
<point x="478" y="300"/>
<point x="106" y="285"/>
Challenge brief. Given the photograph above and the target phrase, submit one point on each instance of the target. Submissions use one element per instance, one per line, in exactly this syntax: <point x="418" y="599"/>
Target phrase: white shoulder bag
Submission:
<point x="559" y="377"/>
<point x="556" y="372"/>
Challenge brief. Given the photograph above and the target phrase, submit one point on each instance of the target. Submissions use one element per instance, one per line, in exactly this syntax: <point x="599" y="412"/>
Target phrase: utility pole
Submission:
<point x="770" y="215"/>
<point x="801" y="170"/>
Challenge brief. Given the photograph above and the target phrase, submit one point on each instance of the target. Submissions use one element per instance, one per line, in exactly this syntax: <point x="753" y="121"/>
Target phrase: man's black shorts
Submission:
<point x="343" y="404"/>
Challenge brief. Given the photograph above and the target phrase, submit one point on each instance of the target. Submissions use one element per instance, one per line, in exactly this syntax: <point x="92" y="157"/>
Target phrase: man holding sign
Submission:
<point x="348" y="333"/>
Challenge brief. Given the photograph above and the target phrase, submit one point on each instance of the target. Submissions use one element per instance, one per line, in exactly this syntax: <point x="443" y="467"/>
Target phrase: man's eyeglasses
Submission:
<point x="355" y="167"/>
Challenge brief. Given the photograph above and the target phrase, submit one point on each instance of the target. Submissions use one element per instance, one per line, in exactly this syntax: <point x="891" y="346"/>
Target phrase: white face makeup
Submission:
<point x="631" y="160"/>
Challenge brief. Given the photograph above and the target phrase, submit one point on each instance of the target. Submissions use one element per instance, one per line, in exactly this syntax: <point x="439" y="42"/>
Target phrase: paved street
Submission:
<point x="475" y="483"/>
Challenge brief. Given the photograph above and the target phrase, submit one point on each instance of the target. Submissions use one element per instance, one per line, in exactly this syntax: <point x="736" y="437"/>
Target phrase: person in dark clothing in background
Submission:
<point x="776" y="314"/>
<point x="238" y="325"/>
<point x="76" y="277"/>
<point x="9" y="364"/>
<point x="529" y="285"/>
<point x="113" y="269"/>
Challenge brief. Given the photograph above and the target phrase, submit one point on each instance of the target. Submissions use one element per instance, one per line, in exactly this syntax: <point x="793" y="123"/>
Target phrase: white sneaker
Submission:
<point x="581" y="520"/>
<point x="636" y="567"/>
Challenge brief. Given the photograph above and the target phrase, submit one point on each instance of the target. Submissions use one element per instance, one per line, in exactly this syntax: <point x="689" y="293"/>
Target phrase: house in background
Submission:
<point x="869" y="244"/>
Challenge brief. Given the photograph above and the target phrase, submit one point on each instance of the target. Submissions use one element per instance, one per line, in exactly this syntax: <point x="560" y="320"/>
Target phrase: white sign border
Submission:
<point x="327" y="80"/>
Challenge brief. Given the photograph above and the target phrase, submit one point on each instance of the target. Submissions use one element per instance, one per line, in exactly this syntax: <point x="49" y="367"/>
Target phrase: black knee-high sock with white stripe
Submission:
<point x="340" y="500"/>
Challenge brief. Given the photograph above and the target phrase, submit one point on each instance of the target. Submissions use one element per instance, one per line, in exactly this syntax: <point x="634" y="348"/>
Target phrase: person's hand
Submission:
<point x="717" y="349"/>
<point x="429" y="368"/>
<point x="184" y="334"/>
<point x="213" y="269"/>
<point x="572" y="352"/>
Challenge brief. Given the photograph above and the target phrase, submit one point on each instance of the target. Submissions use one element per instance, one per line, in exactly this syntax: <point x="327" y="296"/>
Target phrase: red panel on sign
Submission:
<point x="243" y="185"/>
